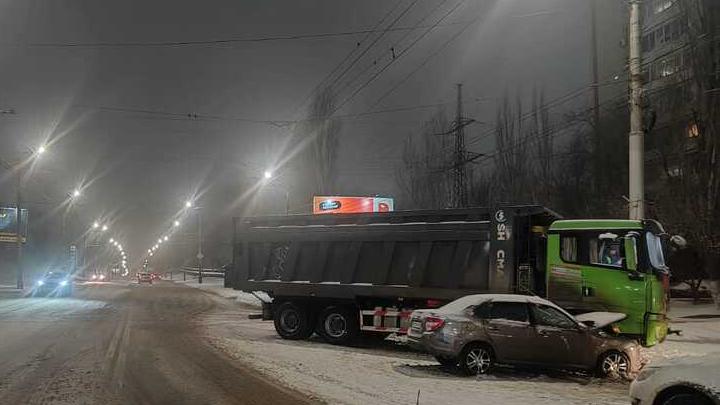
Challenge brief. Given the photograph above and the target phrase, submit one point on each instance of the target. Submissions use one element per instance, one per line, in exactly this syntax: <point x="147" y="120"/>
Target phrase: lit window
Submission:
<point x="662" y="5"/>
<point x="693" y="130"/>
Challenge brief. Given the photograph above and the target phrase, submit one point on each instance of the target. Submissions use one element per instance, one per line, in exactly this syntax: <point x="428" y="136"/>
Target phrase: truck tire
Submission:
<point x="339" y="325"/>
<point x="292" y="321"/>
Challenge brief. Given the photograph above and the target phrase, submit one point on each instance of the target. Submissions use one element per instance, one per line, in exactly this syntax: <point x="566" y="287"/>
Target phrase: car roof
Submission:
<point x="511" y="298"/>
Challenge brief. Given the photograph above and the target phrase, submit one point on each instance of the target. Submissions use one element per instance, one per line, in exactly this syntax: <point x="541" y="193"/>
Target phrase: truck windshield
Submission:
<point x="655" y="251"/>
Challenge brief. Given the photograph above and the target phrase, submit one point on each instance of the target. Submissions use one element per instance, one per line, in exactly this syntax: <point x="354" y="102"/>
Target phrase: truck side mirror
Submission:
<point x="630" y="253"/>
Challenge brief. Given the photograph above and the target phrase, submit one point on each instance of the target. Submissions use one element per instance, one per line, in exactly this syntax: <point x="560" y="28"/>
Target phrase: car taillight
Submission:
<point x="433" y="323"/>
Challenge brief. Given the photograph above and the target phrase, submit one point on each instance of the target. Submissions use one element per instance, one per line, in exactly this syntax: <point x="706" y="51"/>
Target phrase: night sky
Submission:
<point x="107" y="85"/>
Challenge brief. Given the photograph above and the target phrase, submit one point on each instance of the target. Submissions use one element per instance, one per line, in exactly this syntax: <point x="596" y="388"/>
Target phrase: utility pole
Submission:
<point x="595" y="77"/>
<point x="636" y="142"/>
<point x="459" y="172"/>
<point x="461" y="157"/>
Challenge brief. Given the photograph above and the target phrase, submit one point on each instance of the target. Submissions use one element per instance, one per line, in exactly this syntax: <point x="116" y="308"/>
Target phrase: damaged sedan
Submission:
<point x="477" y="332"/>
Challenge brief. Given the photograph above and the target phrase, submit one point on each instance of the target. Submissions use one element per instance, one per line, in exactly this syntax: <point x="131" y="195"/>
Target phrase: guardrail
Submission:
<point x="206" y="273"/>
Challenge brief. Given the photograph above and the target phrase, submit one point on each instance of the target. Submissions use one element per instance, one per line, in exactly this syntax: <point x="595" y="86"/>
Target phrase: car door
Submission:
<point x="607" y="285"/>
<point x="509" y="330"/>
<point x="559" y="340"/>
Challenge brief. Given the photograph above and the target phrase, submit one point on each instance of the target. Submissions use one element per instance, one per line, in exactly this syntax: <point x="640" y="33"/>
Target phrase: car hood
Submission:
<point x="600" y="319"/>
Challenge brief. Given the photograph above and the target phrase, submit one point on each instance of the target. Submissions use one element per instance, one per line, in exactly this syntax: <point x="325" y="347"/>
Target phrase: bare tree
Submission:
<point x="317" y="144"/>
<point x="423" y="175"/>
<point x="512" y="160"/>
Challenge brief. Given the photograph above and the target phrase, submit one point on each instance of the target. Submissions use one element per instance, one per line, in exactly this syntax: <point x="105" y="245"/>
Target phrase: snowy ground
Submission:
<point x="388" y="373"/>
<point x="699" y="327"/>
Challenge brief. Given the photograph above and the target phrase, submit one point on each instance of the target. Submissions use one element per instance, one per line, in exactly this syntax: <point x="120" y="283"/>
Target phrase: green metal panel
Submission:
<point x="595" y="224"/>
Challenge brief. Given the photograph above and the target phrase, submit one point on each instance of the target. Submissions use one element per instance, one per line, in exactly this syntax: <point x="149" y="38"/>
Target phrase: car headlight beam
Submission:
<point x="63" y="283"/>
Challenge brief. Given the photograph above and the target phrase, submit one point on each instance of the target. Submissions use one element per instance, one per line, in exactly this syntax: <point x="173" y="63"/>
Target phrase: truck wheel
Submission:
<point x="292" y="321"/>
<point x="338" y="325"/>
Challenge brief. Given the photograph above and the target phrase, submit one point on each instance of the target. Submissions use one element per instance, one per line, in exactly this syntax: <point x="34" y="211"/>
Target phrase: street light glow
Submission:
<point x="112" y="241"/>
<point x="104" y="228"/>
<point x="176" y="223"/>
<point x="76" y="193"/>
<point x="188" y="204"/>
<point x="41" y="149"/>
<point x="160" y="240"/>
<point x="165" y="238"/>
<point x="96" y="225"/>
<point x="268" y="175"/>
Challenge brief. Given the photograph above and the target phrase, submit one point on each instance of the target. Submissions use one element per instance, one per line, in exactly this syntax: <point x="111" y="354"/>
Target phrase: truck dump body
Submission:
<point x="441" y="254"/>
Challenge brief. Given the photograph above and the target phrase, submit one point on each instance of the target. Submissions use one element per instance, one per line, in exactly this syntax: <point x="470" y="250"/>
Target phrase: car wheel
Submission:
<point x="338" y="325"/>
<point x="292" y="321"/>
<point x="615" y="365"/>
<point x="446" y="362"/>
<point x="476" y="358"/>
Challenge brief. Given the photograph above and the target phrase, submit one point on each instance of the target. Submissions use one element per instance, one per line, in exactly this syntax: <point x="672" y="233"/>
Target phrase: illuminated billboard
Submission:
<point x="8" y="225"/>
<point x="349" y="205"/>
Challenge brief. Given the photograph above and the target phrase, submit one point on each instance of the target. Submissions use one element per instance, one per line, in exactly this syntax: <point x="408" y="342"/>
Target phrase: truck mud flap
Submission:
<point x="267" y="312"/>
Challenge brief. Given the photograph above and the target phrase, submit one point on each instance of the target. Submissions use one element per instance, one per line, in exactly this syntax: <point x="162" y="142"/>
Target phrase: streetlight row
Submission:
<point x="98" y="226"/>
<point x="151" y="251"/>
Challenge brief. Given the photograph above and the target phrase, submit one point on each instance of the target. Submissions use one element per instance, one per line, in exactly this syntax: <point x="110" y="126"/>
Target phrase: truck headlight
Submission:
<point x="63" y="283"/>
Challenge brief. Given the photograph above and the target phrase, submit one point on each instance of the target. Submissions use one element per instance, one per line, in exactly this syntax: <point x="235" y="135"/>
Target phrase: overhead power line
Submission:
<point x="385" y="53"/>
<point x="228" y="41"/>
<point x="398" y="56"/>
<point x="180" y="116"/>
<point x="337" y="67"/>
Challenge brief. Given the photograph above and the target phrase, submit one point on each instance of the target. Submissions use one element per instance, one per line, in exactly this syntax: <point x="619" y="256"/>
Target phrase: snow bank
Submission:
<point x="215" y="286"/>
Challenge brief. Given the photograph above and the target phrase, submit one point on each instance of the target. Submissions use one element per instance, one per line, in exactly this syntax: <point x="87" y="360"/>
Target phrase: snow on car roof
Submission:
<point x="509" y="298"/>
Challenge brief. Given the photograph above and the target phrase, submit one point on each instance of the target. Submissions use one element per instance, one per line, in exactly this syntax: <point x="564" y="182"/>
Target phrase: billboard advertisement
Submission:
<point x="8" y="225"/>
<point x="350" y="205"/>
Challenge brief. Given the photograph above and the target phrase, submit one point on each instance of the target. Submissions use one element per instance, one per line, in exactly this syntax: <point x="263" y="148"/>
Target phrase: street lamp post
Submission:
<point x="20" y="276"/>
<point x="268" y="177"/>
<point x="18" y="223"/>
<point x="200" y="255"/>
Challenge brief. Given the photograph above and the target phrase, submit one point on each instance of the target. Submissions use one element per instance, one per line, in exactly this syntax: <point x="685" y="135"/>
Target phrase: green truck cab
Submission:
<point x="613" y="266"/>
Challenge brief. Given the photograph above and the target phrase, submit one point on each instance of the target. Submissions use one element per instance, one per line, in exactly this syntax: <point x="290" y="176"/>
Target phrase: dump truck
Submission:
<point x="345" y="275"/>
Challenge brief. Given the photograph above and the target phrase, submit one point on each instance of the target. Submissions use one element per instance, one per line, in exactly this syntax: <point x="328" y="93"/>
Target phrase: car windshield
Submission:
<point x="55" y="276"/>
<point x="655" y="251"/>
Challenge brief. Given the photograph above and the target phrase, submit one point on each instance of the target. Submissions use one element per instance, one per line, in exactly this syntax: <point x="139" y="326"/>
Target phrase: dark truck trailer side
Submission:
<point x="353" y="272"/>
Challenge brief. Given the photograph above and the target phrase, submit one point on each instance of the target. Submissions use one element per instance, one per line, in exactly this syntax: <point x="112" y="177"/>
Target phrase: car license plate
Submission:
<point x="416" y="325"/>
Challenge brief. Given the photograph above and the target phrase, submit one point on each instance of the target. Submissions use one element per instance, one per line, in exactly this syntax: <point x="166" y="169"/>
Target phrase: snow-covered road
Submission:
<point x="388" y="373"/>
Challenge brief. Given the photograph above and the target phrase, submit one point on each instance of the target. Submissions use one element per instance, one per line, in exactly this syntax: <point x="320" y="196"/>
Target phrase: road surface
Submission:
<point x="122" y="343"/>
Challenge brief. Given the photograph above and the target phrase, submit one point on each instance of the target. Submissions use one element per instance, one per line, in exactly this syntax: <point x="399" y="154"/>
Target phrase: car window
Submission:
<point x="512" y="311"/>
<point x="482" y="311"/>
<point x="606" y="252"/>
<point x="568" y="249"/>
<point x="549" y="316"/>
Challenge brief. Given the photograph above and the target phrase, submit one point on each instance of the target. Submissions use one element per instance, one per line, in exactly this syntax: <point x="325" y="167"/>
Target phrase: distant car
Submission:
<point x="689" y="380"/>
<point x="476" y="332"/>
<point x="97" y="277"/>
<point x="144" y="278"/>
<point x="155" y="276"/>
<point x="54" y="283"/>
